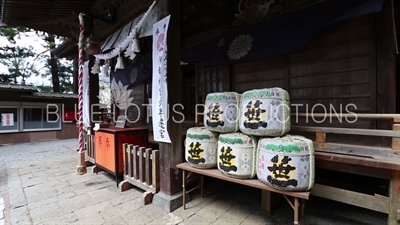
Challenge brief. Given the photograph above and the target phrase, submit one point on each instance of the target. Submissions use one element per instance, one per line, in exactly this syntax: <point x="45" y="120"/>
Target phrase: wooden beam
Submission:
<point x="210" y="10"/>
<point x="376" y="203"/>
<point x="353" y="131"/>
<point x="196" y="39"/>
<point x="353" y="169"/>
<point x="45" y="21"/>
<point x="378" y="153"/>
<point x="383" y="116"/>
<point x="356" y="160"/>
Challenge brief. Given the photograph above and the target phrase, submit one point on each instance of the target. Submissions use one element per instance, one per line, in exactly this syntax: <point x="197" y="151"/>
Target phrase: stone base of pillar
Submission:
<point x="80" y="170"/>
<point x="169" y="202"/>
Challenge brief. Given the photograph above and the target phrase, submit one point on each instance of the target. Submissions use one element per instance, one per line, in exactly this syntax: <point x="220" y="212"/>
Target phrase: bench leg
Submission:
<point x="184" y="188"/>
<point x="267" y="202"/>
<point x="296" y="211"/>
<point x="394" y="193"/>
<point x="202" y="185"/>
<point x="302" y="206"/>
<point x="298" y="207"/>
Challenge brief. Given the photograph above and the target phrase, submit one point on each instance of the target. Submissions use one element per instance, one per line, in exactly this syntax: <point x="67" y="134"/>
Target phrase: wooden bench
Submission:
<point x="371" y="161"/>
<point x="298" y="197"/>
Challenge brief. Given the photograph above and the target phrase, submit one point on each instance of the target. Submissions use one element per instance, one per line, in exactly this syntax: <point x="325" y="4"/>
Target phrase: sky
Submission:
<point x="30" y="39"/>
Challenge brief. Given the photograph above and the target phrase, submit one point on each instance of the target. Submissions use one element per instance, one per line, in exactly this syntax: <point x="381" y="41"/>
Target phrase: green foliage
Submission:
<point x="16" y="61"/>
<point x="64" y="73"/>
<point x="60" y="74"/>
<point x="21" y="62"/>
<point x="12" y="33"/>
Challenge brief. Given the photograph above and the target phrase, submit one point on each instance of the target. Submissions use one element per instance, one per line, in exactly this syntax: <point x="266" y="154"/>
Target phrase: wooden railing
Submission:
<point x="373" y="161"/>
<point x="89" y="146"/>
<point x="141" y="169"/>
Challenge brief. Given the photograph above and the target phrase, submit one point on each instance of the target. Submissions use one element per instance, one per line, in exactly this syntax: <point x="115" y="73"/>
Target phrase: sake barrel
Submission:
<point x="201" y="148"/>
<point x="286" y="163"/>
<point x="237" y="155"/>
<point x="265" y="112"/>
<point x="222" y="112"/>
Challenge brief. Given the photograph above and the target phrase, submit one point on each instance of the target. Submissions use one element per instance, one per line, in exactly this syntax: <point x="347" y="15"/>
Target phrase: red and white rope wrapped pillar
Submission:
<point x="81" y="168"/>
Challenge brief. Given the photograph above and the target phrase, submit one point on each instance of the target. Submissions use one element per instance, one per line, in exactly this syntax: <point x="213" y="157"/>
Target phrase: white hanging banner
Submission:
<point x="86" y="96"/>
<point x="159" y="88"/>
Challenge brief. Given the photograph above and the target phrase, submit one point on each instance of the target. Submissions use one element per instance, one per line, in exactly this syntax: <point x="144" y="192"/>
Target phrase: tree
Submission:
<point x="64" y="76"/>
<point x="60" y="73"/>
<point x="15" y="58"/>
<point x="16" y="61"/>
<point x="12" y="33"/>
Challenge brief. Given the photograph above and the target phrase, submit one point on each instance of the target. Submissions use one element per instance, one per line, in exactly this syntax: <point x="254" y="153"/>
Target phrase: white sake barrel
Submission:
<point x="265" y="112"/>
<point x="286" y="163"/>
<point x="221" y="113"/>
<point x="201" y="148"/>
<point x="237" y="155"/>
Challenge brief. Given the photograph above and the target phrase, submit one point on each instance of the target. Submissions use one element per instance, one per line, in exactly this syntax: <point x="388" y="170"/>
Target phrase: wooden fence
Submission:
<point x="89" y="146"/>
<point x="141" y="169"/>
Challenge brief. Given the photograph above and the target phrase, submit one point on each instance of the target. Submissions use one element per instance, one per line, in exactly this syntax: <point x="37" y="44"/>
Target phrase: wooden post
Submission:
<point x="386" y="65"/>
<point x="320" y="137"/>
<point x="394" y="193"/>
<point x="268" y="201"/>
<point x="171" y="154"/>
<point x="93" y="93"/>
<point x="93" y="99"/>
<point x="394" y="190"/>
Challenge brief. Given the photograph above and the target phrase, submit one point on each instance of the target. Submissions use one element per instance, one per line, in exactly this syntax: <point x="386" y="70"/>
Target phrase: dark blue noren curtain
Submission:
<point x="277" y="36"/>
<point x="135" y="73"/>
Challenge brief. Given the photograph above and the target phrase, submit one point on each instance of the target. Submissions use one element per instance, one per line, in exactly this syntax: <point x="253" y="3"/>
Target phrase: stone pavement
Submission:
<point x="39" y="186"/>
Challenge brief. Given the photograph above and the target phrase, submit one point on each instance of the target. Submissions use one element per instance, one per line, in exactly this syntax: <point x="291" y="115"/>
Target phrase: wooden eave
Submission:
<point x="57" y="17"/>
<point x="68" y="49"/>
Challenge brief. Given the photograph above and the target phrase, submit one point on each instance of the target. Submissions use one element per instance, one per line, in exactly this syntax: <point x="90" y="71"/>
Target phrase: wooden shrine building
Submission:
<point x="337" y="59"/>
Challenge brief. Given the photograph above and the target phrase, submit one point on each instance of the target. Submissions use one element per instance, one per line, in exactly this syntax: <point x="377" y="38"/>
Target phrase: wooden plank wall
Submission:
<point x="133" y="112"/>
<point x="338" y="68"/>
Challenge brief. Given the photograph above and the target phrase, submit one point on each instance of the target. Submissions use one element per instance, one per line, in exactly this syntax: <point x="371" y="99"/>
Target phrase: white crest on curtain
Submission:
<point x="240" y="46"/>
<point x="120" y="94"/>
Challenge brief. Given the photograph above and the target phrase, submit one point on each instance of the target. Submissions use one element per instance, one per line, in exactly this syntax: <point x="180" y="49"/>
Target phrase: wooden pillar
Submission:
<point x="394" y="190"/>
<point x="93" y="93"/>
<point x="386" y="101"/>
<point x="171" y="154"/>
<point x="75" y="75"/>
<point x="386" y="65"/>
<point x="94" y="109"/>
